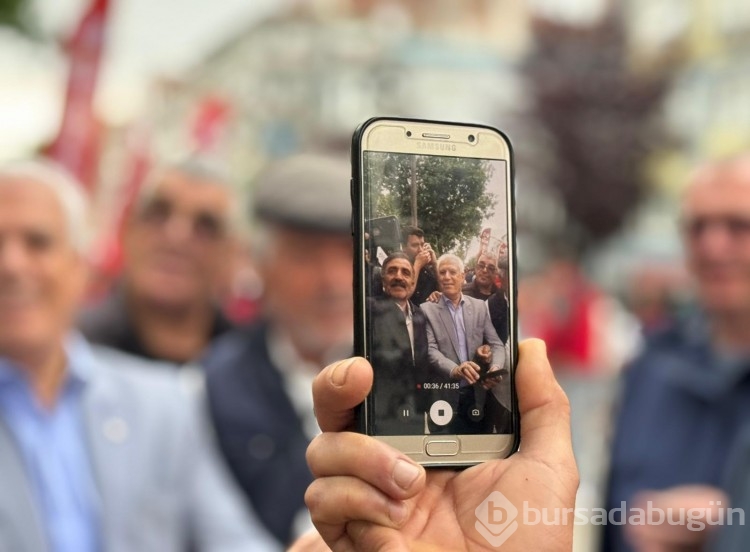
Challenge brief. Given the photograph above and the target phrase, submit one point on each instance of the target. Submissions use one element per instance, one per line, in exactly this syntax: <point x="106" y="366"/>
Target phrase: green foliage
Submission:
<point x="15" y="14"/>
<point x="452" y="201"/>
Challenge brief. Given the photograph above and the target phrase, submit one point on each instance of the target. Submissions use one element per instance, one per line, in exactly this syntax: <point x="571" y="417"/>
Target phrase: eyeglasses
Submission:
<point x="738" y="227"/>
<point x="204" y="225"/>
<point x="487" y="267"/>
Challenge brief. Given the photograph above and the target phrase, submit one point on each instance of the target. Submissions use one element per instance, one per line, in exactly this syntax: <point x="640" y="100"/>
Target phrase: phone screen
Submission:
<point x="436" y="282"/>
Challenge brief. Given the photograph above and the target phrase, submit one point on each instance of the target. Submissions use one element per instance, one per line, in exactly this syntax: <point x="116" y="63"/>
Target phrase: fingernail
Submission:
<point x="339" y="372"/>
<point x="405" y="474"/>
<point x="397" y="511"/>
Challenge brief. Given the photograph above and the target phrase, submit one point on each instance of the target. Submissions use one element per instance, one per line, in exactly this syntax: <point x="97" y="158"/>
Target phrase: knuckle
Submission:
<point x="313" y="452"/>
<point x="314" y="497"/>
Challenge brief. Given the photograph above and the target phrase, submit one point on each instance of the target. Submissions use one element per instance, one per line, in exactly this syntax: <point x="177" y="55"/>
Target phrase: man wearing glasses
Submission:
<point x="682" y="436"/>
<point x="178" y="244"/>
<point x="483" y="287"/>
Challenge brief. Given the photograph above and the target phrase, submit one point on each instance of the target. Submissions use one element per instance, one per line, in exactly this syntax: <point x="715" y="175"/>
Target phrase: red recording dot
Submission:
<point x="419" y="386"/>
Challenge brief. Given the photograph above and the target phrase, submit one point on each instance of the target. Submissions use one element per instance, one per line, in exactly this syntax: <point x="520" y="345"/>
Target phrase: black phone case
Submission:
<point x="363" y="411"/>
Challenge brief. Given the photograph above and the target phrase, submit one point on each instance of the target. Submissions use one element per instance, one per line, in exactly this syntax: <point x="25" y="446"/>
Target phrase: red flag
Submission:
<point x="210" y="123"/>
<point x="502" y="251"/>
<point x="106" y="257"/>
<point x="484" y="240"/>
<point x="77" y="143"/>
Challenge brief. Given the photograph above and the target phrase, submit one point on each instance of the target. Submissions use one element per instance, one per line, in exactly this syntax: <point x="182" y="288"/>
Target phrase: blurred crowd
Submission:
<point x="156" y="368"/>
<point x="149" y="420"/>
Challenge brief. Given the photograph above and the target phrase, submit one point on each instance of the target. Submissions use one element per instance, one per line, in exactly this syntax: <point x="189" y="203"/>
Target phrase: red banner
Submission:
<point x="76" y="146"/>
<point x="106" y="256"/>
<point x="484" y="240"/>
<point x="210" y="123"/>
<point x="502" y="251"/>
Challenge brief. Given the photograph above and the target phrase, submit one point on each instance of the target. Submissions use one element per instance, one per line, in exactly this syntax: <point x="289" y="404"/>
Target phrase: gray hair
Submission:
<point x="450" y="258"/>
<point x="68" y="191"/>
<point x="205" y="170"/>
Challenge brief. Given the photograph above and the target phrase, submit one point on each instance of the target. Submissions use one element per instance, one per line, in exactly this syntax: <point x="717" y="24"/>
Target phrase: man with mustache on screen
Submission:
<point x="399" y="349"/>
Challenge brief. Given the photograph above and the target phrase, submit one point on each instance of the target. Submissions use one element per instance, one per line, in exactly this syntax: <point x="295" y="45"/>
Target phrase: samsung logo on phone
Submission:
<point x="438" y="146"/>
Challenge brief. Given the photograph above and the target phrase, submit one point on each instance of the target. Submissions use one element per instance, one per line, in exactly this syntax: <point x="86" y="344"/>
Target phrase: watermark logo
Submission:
<point x="496" y="518"/>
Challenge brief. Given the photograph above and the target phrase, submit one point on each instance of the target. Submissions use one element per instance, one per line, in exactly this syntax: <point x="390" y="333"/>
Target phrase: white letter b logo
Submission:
<point x="496" y="518"/>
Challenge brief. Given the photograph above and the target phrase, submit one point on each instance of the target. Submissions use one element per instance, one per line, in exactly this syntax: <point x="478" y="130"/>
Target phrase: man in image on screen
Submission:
<point x="458" y="327"/>
<point x="424" y="260"/>
<point x="399" y="350"/>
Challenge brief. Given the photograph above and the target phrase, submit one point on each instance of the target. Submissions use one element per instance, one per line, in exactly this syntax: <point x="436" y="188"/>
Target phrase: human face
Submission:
<point x="177" y="244"/>
<point x="716" y="232"/>
<point x="307" y="280"/>
<point x="413" y="246"/>
<point x="42" y="275"/>
<point x="398" y="280"/>
<point x="485" y="271"/>
<point x="450" y="278"/>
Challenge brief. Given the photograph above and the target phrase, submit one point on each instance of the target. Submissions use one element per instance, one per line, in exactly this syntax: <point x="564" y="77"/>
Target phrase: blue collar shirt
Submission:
<point x="457" y="315"/>
<point x="54" y="448"/>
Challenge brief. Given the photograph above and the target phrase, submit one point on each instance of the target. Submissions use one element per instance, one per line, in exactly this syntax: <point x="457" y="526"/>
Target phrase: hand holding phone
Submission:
<point x="360" y="472"/>
<point x="440" y="391"/>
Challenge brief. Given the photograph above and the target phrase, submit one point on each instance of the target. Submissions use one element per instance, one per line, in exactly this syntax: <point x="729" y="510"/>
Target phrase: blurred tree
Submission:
<point x="599" y="117"/>
<point x="451" y="199"/>
<point x="16" y="14"/>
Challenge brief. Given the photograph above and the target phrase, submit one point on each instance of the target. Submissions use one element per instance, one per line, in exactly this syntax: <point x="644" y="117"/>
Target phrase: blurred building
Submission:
<point x="306" y="77"/>
<point x="706" y="43"/>
<point x="705" y="46"/>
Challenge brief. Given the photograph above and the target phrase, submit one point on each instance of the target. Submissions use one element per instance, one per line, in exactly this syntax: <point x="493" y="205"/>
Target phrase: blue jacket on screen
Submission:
<point x="684" y="419"/>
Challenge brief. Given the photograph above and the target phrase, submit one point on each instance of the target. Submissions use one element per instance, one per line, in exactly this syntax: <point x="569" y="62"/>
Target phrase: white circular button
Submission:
<point x="441" y="413"/>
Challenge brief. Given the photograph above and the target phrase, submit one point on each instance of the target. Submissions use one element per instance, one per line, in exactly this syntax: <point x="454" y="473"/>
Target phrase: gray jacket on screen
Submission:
<point x="161" y="485"/>
<point x="442" y="341"/>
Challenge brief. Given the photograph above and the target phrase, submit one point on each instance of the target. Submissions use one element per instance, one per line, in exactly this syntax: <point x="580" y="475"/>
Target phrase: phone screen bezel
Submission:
<point x="450" y="140"/>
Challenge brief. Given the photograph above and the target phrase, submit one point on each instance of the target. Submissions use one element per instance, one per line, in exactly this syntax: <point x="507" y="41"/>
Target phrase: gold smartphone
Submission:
<point x="435" y="288"/>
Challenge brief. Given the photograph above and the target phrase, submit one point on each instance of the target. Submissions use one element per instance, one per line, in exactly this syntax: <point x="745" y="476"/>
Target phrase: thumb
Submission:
<point x="338" y="389"/>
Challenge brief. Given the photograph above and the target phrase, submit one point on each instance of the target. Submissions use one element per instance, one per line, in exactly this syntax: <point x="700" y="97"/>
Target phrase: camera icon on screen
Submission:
<point x="496" y="518"/>
<point x="476" y="414"/>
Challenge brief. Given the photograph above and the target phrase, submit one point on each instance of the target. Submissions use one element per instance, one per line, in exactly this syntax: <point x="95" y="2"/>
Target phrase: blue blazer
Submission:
<point x="162" y="486"/>
<point x="684" y="419"/>
<point x="258" y="429"/>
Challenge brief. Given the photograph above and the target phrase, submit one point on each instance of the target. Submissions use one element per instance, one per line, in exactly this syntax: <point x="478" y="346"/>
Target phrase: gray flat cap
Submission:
<point x="306" y="192"/>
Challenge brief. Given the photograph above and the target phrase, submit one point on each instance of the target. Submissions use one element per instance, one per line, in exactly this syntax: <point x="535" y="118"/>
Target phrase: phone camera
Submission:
<point x="471" y="138"/>
<point x="408" y="133"/>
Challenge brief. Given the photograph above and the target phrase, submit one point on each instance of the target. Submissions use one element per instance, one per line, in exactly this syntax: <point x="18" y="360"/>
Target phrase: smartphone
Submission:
<point x="426" y="316"/>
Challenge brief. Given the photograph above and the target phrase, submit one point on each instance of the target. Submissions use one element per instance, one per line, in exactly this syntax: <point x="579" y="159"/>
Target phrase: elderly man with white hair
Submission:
<point x="97" y="451"/>
<point x="464" y="347"/>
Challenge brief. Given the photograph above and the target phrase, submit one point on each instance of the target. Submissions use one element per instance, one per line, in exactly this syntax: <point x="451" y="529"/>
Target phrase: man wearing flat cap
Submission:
<point x="259" y="378"/>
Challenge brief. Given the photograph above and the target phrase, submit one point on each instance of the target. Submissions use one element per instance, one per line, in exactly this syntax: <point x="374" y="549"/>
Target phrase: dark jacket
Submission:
<point x="426" y="284"/>
<point x="396" y="372"/>
<point x="257" y="427"/>
<point x="684" y="417"/>
<point x="109" y="323"/>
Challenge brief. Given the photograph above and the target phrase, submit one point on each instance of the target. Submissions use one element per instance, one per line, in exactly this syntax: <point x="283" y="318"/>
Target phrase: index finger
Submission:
<point x="338" y="389"/>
